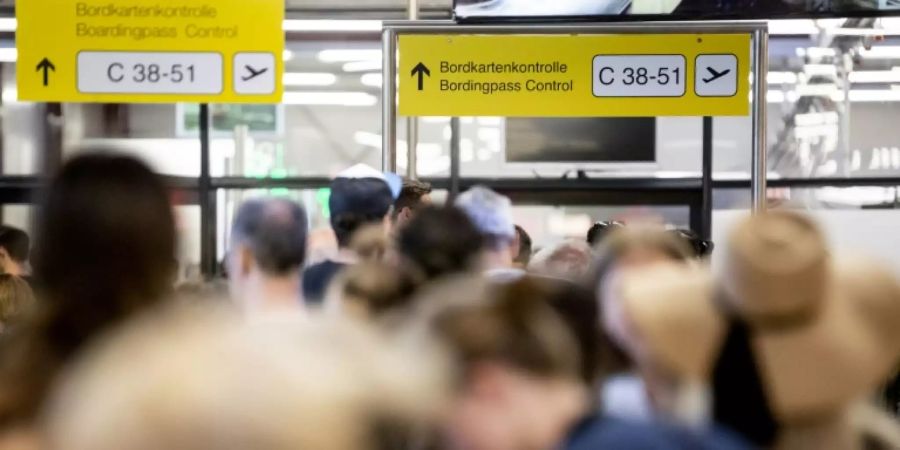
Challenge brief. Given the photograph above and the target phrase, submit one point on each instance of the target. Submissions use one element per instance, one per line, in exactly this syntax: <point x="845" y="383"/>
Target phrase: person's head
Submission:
<point x="599" y="231"/>
<point x="372" y="290"/>
<point x="522" y="248"/>
<point x="570" y="260"/>
<point x="414" y="195"/>
<point x="360" y="196"/>
<point x="440" y="241"/>
<point x="16" y="298"/>
<point x="491" y="213"/>
<point x="198" y="382"/>
<point x="370" y="243"/>
<point x="15" y="248"/>
<point x="625" y="250"/>
<point x="517" y="365"/>
<point x="701" y="248"/>
<point x="105" y="250"/>
<point x="268" y="242"/>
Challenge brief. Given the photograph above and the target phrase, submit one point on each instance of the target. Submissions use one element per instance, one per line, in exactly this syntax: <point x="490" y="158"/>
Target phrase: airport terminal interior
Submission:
<point x="661" y="280"/>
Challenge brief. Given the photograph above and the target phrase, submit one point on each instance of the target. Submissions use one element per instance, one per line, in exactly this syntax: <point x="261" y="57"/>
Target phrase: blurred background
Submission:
<point x="834" y="147"/>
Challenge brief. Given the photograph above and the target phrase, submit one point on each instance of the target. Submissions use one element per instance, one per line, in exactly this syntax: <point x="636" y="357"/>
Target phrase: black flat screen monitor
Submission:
<point x="609" y="10"/>
<point x="581" y="141"/>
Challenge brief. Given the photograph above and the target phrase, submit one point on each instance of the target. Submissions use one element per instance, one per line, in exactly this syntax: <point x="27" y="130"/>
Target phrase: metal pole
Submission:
<point x="454" y="159"/>
<point x="759" y="165"/>
<point x="389" y="101"/>
<point x="706" y="185"/>
<point x="412" y="123"/>
<point x="207" y="194"/>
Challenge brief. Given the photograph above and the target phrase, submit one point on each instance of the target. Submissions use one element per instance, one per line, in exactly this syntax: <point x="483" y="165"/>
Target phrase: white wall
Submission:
<point x="872" y="233"/>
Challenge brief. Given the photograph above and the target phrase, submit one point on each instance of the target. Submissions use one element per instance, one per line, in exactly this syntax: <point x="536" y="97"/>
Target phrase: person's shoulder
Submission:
<point x="607" y="432"/>
<point x="317" y="277"/>
<point x="323" y="267"/>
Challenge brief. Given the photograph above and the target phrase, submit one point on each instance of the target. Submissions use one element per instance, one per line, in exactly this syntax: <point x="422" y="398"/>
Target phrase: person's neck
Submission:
<point x="496" y="259"/>
<point x="265" y="293"/>
<point x="15" y="269"/>
<point x="345" y="256"/>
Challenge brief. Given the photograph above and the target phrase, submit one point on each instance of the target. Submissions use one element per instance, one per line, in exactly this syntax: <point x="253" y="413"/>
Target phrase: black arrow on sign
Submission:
<point x="421" y="70"/>
<point x="46" y="66"/>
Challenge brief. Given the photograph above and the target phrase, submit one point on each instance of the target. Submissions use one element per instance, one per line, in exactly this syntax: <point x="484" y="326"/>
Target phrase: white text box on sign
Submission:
<point x="639" y="75"/>
<point x="150" y="73"/>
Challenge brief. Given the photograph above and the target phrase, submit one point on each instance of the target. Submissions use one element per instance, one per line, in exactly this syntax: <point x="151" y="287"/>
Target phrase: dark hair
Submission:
<point x="619" y="242"/>
<point x="600" y="230"/>
<point x="345" y="225"/>
<point x="275" y="232"/>
<point x="411" y="196"/>
<point x="480" y="321"/>
<point x="524" y="255"/>
<point x="16" y="298"/>
<point x="701" y="247"/>
<point x="440" y="241"/>
<point x="105" y="251"/>
<point x="577" y="306"/>
<point x="378" y="288"/>
<point x="16" y="243"/>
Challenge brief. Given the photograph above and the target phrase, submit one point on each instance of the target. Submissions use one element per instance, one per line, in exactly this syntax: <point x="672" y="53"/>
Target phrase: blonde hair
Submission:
<point x="15" y="298"/>
<point x="202" y="383"/>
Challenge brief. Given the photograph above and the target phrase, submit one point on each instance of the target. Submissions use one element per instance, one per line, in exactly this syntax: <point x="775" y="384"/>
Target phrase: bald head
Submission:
<point x="274" y="230"/>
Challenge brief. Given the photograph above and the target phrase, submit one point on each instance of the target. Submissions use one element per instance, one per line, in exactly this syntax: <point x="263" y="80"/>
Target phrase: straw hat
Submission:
<point x="824" y="332"/>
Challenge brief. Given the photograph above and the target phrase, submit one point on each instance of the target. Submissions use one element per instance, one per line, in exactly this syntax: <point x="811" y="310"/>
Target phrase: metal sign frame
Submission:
<point x="758" y="31"/>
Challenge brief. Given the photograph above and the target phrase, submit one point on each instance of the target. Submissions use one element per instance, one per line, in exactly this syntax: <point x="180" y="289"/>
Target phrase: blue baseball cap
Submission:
<point x="365" y="191"/>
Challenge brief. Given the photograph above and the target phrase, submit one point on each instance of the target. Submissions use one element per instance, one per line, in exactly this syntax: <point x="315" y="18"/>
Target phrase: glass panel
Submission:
<point x="155" y="133"/>
<point x="23" y="128"/>
<point x="19" y="216"/>
<point x="833" y="106"/>
<point x="187" y="220"/>
<point x="548" y="225"/>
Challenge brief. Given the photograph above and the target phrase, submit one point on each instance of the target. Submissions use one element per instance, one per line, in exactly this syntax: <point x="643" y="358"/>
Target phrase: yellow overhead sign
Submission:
<point x="575" y="75"/>
<point x="128" y="51"/>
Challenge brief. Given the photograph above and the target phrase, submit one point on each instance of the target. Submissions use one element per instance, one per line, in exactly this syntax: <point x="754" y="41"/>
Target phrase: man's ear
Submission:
<point x="405" y="214"/>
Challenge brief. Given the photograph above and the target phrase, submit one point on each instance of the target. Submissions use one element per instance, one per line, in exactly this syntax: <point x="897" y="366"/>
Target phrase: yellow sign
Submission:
<point x="143" y="51"/>
<point x="575" y="76"/>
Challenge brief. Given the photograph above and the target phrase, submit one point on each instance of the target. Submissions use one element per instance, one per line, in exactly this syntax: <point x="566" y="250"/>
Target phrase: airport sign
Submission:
<point x="150" y="51"/>
<point x="622" y="75"/>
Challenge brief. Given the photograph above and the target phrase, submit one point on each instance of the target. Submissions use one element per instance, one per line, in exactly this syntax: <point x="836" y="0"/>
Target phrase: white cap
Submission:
<point x="489" y="211"/>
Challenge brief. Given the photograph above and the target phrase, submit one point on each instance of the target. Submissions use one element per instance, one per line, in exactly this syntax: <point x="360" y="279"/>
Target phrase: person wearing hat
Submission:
<point x="360" y="196"/>
<point x="787" y="339"/>
<point x="491" y="213"/>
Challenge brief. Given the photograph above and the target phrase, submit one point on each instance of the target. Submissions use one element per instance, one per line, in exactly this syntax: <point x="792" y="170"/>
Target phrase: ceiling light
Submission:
<point x="875" y="76"/>
<point x="781" y="77"/>
<point x="8" y="24"/>
<point x="309" y="79"/>
<point x="329" y="98"/>
<point x="8" y="54"/>
<point x="881" y="52"/>
<point x="874" y="95"/>
<point x="10" y="95"/>
<point x="820" y="69"/>
<point x="796" y="26"/>
<point x="362" y="66"/>
<point x="347" y="55"/>
<point x="371" y="79"/>
<point x="332" y="25"/>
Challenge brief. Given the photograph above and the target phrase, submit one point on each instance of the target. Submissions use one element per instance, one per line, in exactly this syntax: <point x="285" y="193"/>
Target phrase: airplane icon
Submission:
<point x="253" y="72"/>
<point x="715" y="75"/>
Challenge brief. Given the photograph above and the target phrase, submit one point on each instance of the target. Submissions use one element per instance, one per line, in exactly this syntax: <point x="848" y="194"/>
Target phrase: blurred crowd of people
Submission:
<point x="432" y="327"/>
